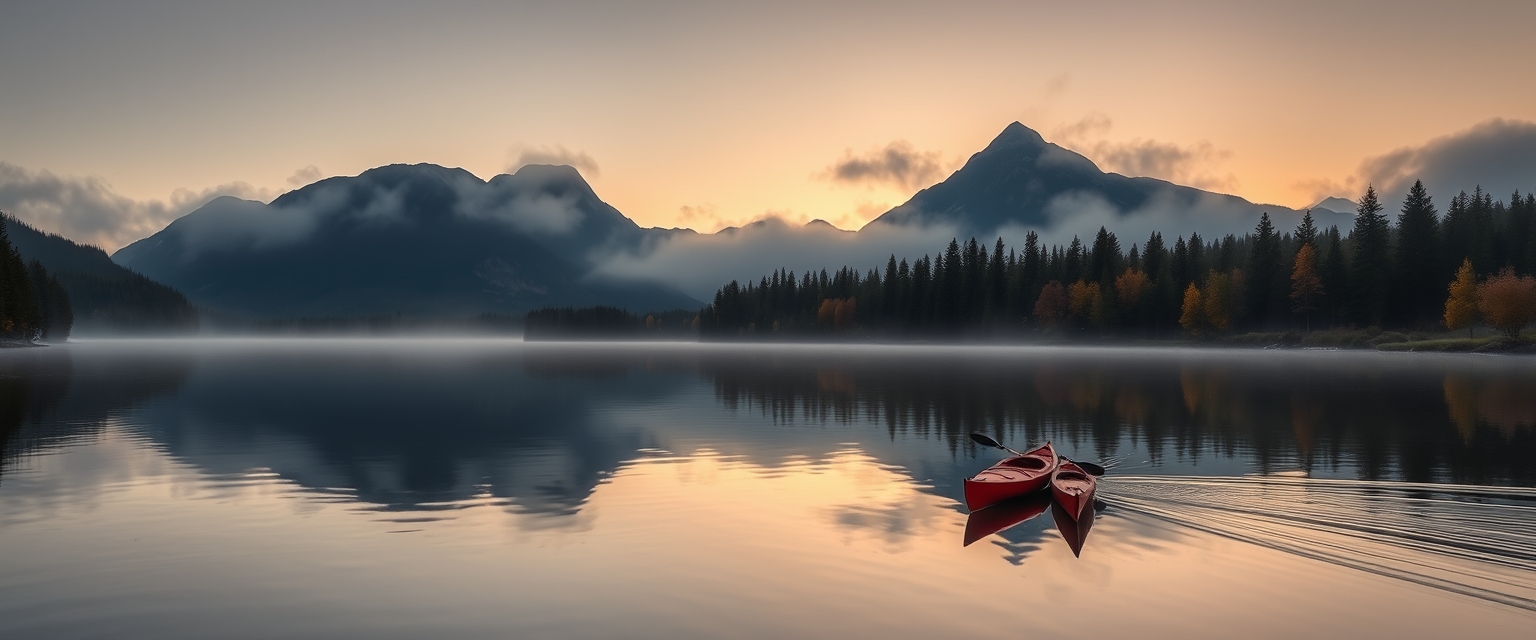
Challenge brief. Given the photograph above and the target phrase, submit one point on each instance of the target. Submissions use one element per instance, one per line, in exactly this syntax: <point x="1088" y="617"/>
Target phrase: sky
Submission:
<point x="117" y="117"/>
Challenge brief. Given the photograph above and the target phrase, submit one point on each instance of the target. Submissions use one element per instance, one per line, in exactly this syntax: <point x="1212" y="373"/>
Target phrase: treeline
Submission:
<point x="33" y="304"/>
<point x="105" y="297"/>
<point x="1378" y="273"/>
<point x="554" y="323"/>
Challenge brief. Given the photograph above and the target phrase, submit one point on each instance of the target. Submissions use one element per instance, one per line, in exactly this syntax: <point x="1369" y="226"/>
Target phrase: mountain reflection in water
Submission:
<point x="543" y="424"/>
<point x="1417" y="468"/>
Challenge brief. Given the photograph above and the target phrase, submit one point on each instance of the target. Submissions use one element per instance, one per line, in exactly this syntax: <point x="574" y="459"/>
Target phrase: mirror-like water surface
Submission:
<point x="475" y="488"/>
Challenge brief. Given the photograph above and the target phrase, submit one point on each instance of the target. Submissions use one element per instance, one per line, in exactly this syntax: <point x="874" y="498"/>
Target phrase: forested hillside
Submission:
<point x="33" y="305"/>
<point x="105" y="296"/>
<point x="1376" y="274"/>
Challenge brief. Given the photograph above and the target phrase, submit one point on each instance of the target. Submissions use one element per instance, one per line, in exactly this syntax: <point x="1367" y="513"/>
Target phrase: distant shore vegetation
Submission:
<point x="1424" y="272"/>
<point x="561" y="323"/>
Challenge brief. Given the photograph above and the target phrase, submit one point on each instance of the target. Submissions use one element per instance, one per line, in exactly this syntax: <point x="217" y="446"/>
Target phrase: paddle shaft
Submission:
<point x="984" y="440"/>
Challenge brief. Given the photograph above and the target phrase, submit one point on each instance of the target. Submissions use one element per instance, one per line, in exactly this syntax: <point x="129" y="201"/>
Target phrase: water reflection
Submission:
<point x="1419" y="419"/>
<point x="49" y="400"/>
<point x="516" y="481"/>
<point x="541" y="426"/>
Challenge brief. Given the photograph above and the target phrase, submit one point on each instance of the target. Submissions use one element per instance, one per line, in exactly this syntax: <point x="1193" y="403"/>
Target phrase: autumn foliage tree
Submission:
<point x="1192" y="312"/>
<point x="1051" y="306"/>
<point x="1461" y="306"/>
<point x="1131" y="286"/>
<point x="1217" y="299"/>
<point x="1306" y="287"/>
<point x="1083" y="299"/>
<point x="1507" y="301"/>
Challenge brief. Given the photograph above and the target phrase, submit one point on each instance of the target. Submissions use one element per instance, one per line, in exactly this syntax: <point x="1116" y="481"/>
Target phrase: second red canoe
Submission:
<point x="1073" y="489"/>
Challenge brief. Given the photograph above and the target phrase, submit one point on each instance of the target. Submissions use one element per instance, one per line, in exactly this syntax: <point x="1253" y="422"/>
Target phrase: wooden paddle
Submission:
<point x="984" y="441"/>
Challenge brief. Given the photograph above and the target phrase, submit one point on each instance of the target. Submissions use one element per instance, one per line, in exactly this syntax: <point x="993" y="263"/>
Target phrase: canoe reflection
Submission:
<point x="1005" y="515"/>
<point x="1073" y="529"/>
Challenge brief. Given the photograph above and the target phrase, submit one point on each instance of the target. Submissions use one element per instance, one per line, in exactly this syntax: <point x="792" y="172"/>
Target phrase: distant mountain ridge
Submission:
<point x="418" y="240"/>
<point x="1021" y="180"/>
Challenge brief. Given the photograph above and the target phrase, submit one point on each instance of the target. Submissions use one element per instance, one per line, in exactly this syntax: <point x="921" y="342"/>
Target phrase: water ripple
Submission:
<point x="1470" y="540"/>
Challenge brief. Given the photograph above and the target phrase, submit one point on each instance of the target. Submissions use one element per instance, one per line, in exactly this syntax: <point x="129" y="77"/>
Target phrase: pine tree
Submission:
<point x="1418" y="261"/>
<point x="1306" y="232"/>
<point x="1370" y="267"/>
<point x="1154" y="257"/>
<point x="1264" y="277"/>
<point x="1335" y="277"/>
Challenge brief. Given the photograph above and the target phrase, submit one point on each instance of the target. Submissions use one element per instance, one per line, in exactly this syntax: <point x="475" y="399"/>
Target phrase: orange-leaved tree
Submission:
<point x="1461" y="306"/>
<point x="1507" y="301"/>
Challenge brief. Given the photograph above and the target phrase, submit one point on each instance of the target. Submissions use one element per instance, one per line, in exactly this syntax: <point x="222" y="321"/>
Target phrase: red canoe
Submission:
<point x="1073" y="489"/>
<point x="1011" y="477"/>
<point x="1005" y="515"/>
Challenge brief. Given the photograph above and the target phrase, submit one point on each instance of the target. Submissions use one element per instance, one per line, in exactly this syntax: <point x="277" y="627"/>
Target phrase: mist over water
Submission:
<point x="464" y="487"/>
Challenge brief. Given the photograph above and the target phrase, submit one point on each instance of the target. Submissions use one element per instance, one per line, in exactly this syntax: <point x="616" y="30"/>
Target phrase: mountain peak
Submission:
<point x="549" y="172"/>
<point x="1016" y="135"/>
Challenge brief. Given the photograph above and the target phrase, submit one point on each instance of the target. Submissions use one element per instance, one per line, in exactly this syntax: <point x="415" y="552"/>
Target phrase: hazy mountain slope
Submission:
<point x="105" y="296"/>
<point x="418" y="240"/>
<point x="1023" y="181"/>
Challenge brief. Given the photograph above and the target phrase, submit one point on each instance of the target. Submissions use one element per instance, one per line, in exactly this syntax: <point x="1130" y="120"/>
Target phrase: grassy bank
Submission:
<point x="1388" y="341"/>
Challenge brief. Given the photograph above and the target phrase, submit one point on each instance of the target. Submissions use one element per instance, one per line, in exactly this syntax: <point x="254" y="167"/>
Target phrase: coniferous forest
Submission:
<point x="1425" y="270"/>
<point x="33" y="304"/>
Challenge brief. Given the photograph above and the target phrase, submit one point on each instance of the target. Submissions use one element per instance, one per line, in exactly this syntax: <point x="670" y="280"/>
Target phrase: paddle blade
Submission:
<point x="984" y="441"/>
<point x="1091" y="468"/>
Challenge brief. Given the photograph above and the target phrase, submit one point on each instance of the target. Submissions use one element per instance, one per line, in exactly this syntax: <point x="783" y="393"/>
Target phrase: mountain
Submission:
<point x="1021" y="180"/>
<point x="1336" y="205"/>
<point x="417" y="240"/>
<point x="105" y="297"/>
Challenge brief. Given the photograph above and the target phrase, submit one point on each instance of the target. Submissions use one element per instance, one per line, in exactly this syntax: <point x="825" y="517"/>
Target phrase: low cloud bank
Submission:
<point x="701" y="264"/>
<point x="87" y="210"/>
<point x="1498" y="154"/>
<point x="1196" y="165"/>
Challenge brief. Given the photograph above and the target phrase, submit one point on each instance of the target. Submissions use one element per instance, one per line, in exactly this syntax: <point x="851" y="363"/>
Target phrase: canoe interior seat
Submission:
<point x="1028" y="462"/>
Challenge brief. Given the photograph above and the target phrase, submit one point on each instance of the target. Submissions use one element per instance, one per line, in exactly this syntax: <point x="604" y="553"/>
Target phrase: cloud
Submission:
<point x="88" y="210"/>
<point x="308" y="175"/>
<point x="1058" y="85"/>
<point x="228" y="224"/>
<point x="526" y="206"/>
<point x="899" y="164"/>
<point x="1193" y="165"/>
<point x="1498" y="154"/>
<point x="700" y="263"/>
<point x="1212" y="216"/>
<point x="557" y="154"/>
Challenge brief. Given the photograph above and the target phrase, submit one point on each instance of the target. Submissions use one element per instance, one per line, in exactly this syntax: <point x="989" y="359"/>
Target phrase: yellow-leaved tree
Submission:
<point x="1131" y="286"/>
<point x="1306" y="287"/>
<point x="1193" y="316"/>
<point x="1461" y="306"/>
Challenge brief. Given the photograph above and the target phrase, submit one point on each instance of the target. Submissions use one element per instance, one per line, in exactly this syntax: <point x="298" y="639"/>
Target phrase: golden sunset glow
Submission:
<point x="701" y="116"/>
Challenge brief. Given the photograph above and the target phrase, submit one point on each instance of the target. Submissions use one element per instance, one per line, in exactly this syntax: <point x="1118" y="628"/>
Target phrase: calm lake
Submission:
<point x="468" y="488"/>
